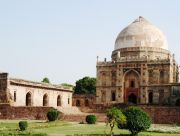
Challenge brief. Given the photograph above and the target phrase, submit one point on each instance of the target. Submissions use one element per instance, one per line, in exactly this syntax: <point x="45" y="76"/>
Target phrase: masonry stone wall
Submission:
<point x="163" y="114"/>
<point x="20" y="92"/>
<point x="37" y="96"/>
<point x="83" y="101"/>
<point x="9" y="112"/>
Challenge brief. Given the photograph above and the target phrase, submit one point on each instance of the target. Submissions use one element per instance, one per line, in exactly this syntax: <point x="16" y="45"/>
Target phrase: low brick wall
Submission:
<point x="159" y="114"/>
<point x="163" y="114"/>
<point x="82" y="118"/>
<point x="8" y="112"/>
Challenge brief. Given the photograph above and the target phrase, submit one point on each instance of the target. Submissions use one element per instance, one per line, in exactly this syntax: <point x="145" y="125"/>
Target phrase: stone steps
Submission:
<point x="70" y="111"/>
<point x="75" y="114"/>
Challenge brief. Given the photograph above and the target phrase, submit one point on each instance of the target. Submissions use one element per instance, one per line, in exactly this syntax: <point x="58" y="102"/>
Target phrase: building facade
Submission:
<point x="19" y="92"/>
<point x="142" y="69"/>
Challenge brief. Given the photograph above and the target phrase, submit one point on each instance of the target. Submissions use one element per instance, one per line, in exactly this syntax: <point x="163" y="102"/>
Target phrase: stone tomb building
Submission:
<point x="142" y="69"/>
<point x="18" y="93"/>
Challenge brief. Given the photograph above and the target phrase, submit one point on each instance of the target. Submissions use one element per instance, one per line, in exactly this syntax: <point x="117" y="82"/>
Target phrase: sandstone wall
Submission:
<point x="163" y="115"/>
<point x="37" y="96"/>
<point x="159" y="114"/>
<point x="83" y="101"/>
<point x="9" y="112"/>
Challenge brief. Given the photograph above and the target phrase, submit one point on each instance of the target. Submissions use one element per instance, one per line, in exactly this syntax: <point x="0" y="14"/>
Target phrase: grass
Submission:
<point x="60" y="128"/>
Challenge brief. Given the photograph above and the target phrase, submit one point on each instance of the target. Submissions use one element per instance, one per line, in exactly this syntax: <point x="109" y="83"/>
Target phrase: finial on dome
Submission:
<point x="140" y="19"/>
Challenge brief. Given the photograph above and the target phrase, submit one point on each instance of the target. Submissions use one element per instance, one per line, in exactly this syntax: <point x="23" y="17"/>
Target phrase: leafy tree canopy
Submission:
<point x="86" y="85"/>
<point x="46" y="80"/>
<point x="137" y="120"/>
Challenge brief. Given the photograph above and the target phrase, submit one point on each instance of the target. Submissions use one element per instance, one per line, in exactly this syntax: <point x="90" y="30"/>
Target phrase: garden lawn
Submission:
<point x="59" y="128"/>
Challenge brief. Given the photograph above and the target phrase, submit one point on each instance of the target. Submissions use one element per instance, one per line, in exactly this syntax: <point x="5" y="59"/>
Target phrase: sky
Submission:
<point x="60" y="39"/>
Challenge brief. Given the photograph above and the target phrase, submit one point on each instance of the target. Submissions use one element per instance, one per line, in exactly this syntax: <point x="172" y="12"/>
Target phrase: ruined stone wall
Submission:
<point x="83" y="101"/>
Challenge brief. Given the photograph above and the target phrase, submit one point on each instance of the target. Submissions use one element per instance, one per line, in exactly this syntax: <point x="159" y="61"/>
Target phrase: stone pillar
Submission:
<point x="4" y="97"/>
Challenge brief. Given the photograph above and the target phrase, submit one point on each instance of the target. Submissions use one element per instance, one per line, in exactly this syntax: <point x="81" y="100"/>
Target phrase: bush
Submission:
<point x="53" y="114"/>
<point x="137" y="120"/>
<point x="23" y="125"/>
<point x="91" y="119"/>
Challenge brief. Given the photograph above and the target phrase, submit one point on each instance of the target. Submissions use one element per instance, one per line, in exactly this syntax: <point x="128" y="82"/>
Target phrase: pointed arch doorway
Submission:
<point x="131" y="87"/>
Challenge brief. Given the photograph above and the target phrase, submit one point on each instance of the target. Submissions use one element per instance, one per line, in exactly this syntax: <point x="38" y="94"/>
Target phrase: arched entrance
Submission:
<point x="132" y="99"/>
<point x="178" y="102"/>
<point x="86" y="103"/>
<point x="45" y="100"/>
<point x="131" y="86"/>
<point x="28" y="99"/>
<point x="113" y="96"/>
<point x="59" y="100"/>
<point x="150" y="97"/>
<point x="78" y="104"/>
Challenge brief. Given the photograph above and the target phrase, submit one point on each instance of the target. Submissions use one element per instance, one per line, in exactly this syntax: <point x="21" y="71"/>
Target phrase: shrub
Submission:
<point x="115" y="117"/>
<point x="91" y="119"/>
<point x="23" y="125"/>
<point x="137" y="120"/>
<point x="53" y="114"/>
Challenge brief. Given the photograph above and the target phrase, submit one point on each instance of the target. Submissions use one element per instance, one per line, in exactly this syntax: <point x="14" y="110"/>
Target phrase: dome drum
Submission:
<point x="141" y="52"/>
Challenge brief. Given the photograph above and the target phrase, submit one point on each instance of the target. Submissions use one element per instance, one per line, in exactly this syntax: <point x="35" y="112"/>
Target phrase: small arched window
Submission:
<point x="113" y="96"/>
<point x="59" y="100"/>
<point x="161" y="76"/>
<point x="28" y="99"/>
<point x="45" y="100"/>
<point x="15" y="96"/>
<point x="68" y="100"/>
<point x="150" y="98"/>
<point x="103" y="97"/>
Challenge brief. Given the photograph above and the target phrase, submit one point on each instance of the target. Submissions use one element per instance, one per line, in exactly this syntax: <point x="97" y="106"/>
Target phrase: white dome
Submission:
<point x="141" y="33"/>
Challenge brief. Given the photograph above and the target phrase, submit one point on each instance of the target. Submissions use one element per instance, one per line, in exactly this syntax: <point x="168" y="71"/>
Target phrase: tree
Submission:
<point x="45" y="80"/>
<point x="137" y="120"/>
<point x="67" y="85"/>
<point x="86" y="85"/>
<point x="115" y="117"/>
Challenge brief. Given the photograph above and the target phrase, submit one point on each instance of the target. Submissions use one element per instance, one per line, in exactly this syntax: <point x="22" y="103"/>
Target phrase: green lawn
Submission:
<point x="59" y="128"/>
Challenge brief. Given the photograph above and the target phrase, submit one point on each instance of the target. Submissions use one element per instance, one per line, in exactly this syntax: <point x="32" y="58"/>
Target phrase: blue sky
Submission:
<point x="60" y="39"/>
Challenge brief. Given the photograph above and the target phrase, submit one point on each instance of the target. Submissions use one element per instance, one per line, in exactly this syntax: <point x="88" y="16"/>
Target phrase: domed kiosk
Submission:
<point x="142" y="68"/>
